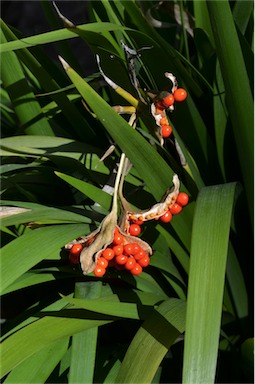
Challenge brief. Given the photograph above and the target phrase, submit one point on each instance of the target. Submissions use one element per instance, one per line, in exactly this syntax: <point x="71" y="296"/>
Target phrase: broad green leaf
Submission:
<point x="84" y="344"/>
<point x="114" y="307"/>
<point x="41" y="68"/>
<point x="209" y="248"/>
<point x="237" y="85"/>
<point x="29" y="249"/>
<point x="43" y="215"/>
<point x="45" y="145"/>
<point x="89" y="190"/>
<point x="202" y="19"/>
<point x="61" y="34"/>
<point x="176" y="248"/>
<point x="152" y="341"/>
<point x="36" y="277"/>
<point x="151" y="167"/>
<point x="38" y="367"/>
<point x="44" y="333"/>
<point x="242" y="12"/>
<point x="26" y="106"/>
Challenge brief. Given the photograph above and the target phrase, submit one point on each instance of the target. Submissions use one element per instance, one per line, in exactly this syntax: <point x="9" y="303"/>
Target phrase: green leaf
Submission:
<point x="84" y="344"/>
<point x="89" y="190"/>
<point x="26" y="106"/>
<point x="114" y="307"/>
<point x="41" y="214"/>
<point x="58" y="35"/>
<point x="238" y="92"/>
<point x="29" y="249"/>
<point x="38" y="367"/>
<point x="152" y="341"/>
<point x="43" y="333"/>
<point x="35" y="277"/>
<point x="151" y="167"/>
<point x="209" y="248"/>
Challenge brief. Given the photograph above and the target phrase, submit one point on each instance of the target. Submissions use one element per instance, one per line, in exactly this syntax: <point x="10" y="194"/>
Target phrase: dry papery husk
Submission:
<point x="103" y="237"/>
<point x="155" y="211"/>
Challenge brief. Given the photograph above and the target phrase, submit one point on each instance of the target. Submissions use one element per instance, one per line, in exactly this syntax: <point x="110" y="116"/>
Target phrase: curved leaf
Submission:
<point x="209" y="249"/>
<point x="158" y="333"/>
<point x="29" y="249"/>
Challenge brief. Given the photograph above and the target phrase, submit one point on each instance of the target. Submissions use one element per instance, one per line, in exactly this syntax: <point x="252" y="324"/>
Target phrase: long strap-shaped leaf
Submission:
<point x="209" y="248"/>
<point x="238" y="91"/>
<point x="152" y="341"/>
<point x="150" y="165"/>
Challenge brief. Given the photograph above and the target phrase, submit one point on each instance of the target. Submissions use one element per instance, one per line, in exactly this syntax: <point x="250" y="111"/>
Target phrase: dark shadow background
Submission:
<point x="29" y="18"/>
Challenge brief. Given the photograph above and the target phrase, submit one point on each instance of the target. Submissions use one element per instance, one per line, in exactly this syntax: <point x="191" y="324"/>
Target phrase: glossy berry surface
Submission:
<point x="144" y="261"/>
<point x="168" y="101"/>
<point x="134" y="229"/>
<point x="118" y="238"/>
<point x="167" y="217"/>
<point x="118" y="249"/>
<point x="180" y="94"/>
<point x="137" y="269"/>
<point x="76" y="248"/>
<point x="121" y="259"/>
<point x="102" y="262"/>
<point x="176" y="209"/>
<point x="108" y="254"/>
<point x="99" y="271"/>
<point x="182" y="199"/>
<point x="166" y="130"/>
<point x="130" y="264"/>
<point x="139" y="255"/>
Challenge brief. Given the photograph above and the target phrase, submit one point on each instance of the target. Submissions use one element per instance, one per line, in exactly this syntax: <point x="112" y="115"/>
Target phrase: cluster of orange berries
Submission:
<point x="118" y="254"/>
<point x="181" y="201"/>
<point x="122" y="255"/>
<point x="167" y="101"/>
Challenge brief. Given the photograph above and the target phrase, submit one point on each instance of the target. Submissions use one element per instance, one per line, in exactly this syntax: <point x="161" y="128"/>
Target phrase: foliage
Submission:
<point x="188" y="316"/>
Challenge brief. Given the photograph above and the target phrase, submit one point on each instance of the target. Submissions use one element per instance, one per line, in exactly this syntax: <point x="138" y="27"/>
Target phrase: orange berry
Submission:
<point x="163" y="121"/>
<point x="137" y="221"/>
<point x="182" y="199"/>
<point x="128" y="249"/>
<point x="118" y="249"/>
<point x="102" y="262"/>
<point x="136" y="270"/>
<point x="130" y="263"/>
<point x="144" y="261"/>
<point x="175" y="209"/>
<point x="108" y="254"/>
<point x="118" y="238"/>
<point x="136" y="248"/>
<point x="166" y="130"/>
<point x="121" y="259"/>
<point x="180" y="94"/>
<point x="168" y="100"/>
<point x="134" y="229"/>
<point x="76" y="248"/>
<point x="99" y="271"/>
<point x="167" y="217"/>
<point x="140" y="254"/>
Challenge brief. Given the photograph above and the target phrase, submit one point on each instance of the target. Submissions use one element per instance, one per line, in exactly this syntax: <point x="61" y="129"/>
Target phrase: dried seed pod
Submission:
<point x="157" y="210"/>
